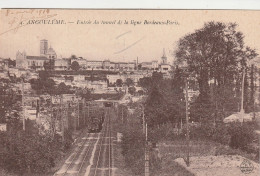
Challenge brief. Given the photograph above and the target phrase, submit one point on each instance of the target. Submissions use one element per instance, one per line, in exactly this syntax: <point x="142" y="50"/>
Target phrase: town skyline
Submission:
<point x="116" y="42"/>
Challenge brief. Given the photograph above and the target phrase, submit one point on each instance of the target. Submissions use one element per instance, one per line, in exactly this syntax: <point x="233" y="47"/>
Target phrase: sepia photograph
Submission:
<point x="129" y="92"/>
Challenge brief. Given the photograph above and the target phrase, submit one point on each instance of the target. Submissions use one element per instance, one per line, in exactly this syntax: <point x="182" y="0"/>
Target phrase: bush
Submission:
<point x="234" y="135"/>
<point x="241" y="136"/>
<point x="203" y="132"/>
<point x="68" y="140"/>
<point x="133" y="146"/>
<point x="221" y="135"/>
<point x="22" y="152"/>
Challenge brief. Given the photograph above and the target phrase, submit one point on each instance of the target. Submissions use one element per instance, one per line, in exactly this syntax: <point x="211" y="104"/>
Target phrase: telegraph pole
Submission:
<point x="88" y="109"/>
<point x="187" y="123"/>
<point x="23" y="104"/>
<point x="78" y="112"/>
<point x="146" y="152"/>
<point x="144" y="130"/>
<point x="242" y="96"/>
<point x="84" y="114"/>
<point x="242" y="111"/>
<point x="62" y="119"/>
<point x="122" y="115"/>
<point x="146" y="155"/>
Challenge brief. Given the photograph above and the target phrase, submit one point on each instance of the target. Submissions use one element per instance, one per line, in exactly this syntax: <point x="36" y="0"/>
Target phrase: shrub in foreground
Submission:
<point x="22" y="152"/>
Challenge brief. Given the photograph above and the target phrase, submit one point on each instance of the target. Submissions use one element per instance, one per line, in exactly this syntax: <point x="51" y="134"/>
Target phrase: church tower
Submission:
<point x="164" y="58"/>
<point x="43" y="47"/>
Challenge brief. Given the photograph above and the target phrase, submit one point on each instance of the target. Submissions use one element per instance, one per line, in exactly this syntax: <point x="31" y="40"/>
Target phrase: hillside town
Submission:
<point x="77" y="73"/>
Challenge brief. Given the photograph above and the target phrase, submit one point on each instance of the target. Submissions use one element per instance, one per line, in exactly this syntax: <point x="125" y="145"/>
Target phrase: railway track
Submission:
<point x="84" y="163"/>
<point x="107" y="133"/>
<point x="76" y="156"/>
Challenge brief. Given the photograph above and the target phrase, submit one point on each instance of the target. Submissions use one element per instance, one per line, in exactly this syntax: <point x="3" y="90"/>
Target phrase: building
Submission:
<point x="45" y="51"/>
<point x="58" y="80"/>
<point x="146" y="65"/>
<point x="43" y="47"/>
<point x="61" y="64"/>
<point x="155" y="65"/>
<point x="164" y="67"/>
<point x="19" y="72"/>
<point x="106" y="64"/>
<point x="82" y="62"/>
<point x="51" y="54"/>
<point x="131" y="66"/>
<point x="113" y="78"/>
<point x="135" y="77"/>
<point x="79" y="78"/>
<point x="164" y="58"/>
<point x="97" y="86"/>
<point x="122" y="66"/>
<point x="4" y="65"/>
<point x="36" y="62"/>
<point x="95" y="65"/>
<point x="4" y="74"/>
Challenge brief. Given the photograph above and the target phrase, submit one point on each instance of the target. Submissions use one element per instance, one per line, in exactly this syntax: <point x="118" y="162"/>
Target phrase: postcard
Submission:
<point x="107" y="92"/>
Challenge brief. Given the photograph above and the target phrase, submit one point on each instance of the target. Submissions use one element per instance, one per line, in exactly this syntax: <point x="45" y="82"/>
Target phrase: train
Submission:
<point x="95" y="123"/>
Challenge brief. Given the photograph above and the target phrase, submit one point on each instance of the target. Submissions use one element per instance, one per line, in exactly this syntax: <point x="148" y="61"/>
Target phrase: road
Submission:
<point x="92" y="155"/>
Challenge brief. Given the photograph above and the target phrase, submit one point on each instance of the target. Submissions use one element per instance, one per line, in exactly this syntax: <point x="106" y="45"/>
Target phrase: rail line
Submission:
<point x="107" y="131"/>
<point x="88" y="151"/>
<point x="74" y="158"/>
<point x="110" y="147"/>
<point x="85" y="156"/>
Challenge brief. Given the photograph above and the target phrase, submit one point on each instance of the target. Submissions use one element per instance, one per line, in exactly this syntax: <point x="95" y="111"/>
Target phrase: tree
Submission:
<point x="155" y="108"/>
<point x="43" y="85"/>
<point x="84" y="93"/>
<point x="49" y="65"/>
<point x="33" y="66"/>
<point x="119" y="82"/>
<point x="44" y="75"/>
<point x="75" y="66"/>
<point x="62" y="88"/>
<point x="145" y="83"/>
<point x="9" y="100"/>
<point x="27" y="153"/>
<point x="129" y="82"/>
<point x="131" y="90"/>
<point x="176" y="95"/>
<point x="73" y="56"/>
<point x="11" y="63"/>
<point x="214" y="52"/>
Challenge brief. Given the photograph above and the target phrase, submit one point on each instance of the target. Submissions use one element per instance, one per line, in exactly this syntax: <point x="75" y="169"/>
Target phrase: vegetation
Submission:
<point x="133" y="140"/>
<point x="75" y="66"/>
<point x="62" y="88"/>
<point x="43" y="85"/>
<point x="30" y="152"/>
<point x="133" y="145"/>
<point x="131" y="90"/>
<point x="8" y="102"/>
<point x="119" y="82"/>
<point x="214" y="57"/>
<point x="129" y="82"/>
<point x="216" y="53"/>
<point x="48" y="65"/>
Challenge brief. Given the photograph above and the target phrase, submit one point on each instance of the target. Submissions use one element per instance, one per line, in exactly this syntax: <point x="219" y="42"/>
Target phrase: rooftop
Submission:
<point x="36" y="57"/>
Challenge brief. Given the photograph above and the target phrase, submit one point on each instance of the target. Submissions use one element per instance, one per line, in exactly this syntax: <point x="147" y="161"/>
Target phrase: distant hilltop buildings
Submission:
<point x="48" y="53"/>
<point x="26" y="62"/>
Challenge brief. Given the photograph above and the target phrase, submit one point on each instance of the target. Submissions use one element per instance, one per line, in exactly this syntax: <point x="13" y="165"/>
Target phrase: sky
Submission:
<point x="116" y="42"/>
